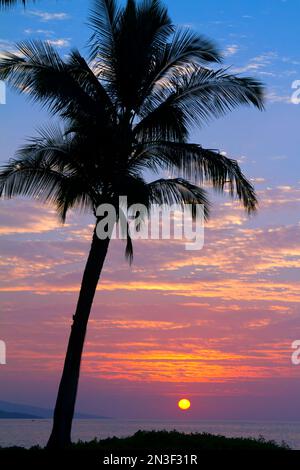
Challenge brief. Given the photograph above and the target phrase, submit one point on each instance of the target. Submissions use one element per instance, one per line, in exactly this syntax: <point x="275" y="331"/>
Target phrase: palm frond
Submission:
<point x="179" y="191"/>
<point x="129" y="247"/>
<point x="68" y="89"/>
<point x="29" y="179"/>
<point x="155" y="24"/>
<point x="85" y="77"/>
<point x="186" y="48"/>
<point x="51" y="147"/>
<point x="10" y="3"/>
<point x="198" y="165"/>
<point x="103" y="20"/>
<point x="144" y="31"/>
<point x="163" y="123"/>
<point x="73" y="192"/>
<point x="201" y="94"/>
<point x="141" y="30"/>
<point x="45" y="169"/>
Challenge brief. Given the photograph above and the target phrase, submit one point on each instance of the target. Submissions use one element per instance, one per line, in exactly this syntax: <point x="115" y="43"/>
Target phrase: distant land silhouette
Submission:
<point x="19" y="411"/>
<point x="7" y="415"/>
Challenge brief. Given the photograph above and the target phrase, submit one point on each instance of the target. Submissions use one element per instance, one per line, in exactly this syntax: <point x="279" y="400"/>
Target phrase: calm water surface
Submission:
<point x="26" y="433"/>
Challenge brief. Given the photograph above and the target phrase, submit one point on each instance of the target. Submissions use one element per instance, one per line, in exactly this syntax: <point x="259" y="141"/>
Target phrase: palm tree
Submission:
<point x="127" y="110"/>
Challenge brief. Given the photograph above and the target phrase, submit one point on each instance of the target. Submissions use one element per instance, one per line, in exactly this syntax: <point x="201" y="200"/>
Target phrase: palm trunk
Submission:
<point x="66" y="398"/>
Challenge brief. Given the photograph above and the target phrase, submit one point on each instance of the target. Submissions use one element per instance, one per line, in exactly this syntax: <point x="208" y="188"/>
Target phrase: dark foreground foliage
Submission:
<point x="141" y="445"/>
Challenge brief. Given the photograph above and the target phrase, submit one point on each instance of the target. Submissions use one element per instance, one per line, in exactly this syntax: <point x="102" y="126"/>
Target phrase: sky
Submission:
<point x="215" y="326"/>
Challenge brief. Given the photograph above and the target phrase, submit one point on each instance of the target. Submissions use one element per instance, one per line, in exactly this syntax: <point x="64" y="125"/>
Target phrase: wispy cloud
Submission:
<point x="231" y="49"/>
<point x="274" y="97"/>
<point x="258" y="180"/>
<point x="49" y="35"/>
<point x="46" y="32"/>
<point x="6" y="46"/>
<point x="279" y="157"/>
<point x="46" y="16"/>
<point x="258" y="62"/>
<point x="61" y="42"/>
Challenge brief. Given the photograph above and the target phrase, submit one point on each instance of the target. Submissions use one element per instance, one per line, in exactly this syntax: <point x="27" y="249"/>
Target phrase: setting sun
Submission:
<point x="184" y="404"/>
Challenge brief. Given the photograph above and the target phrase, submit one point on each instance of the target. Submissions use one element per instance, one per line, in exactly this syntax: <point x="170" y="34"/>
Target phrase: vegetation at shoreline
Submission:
<point x="141" y="444"/>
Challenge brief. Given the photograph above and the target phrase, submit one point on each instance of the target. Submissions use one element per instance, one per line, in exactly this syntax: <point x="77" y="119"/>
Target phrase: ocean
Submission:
<point x="26" y="433"/>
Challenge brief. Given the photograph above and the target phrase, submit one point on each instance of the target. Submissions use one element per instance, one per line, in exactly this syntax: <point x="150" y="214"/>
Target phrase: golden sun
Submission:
<point x="184" y="404"/>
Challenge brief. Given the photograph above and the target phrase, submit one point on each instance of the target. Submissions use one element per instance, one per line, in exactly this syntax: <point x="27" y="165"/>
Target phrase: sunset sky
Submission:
<point x="214" y="325"/>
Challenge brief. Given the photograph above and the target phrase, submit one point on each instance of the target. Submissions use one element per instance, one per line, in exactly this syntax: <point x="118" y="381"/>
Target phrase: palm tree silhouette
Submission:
<point x="127" y="110"/>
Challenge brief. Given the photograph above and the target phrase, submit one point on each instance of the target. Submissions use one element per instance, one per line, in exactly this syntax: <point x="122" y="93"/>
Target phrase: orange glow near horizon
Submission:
<point x="217" y="322"/>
